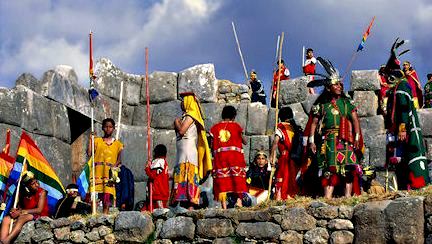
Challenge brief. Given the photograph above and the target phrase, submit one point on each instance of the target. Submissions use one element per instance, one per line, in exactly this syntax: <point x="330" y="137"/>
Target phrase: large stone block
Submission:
<point x="58" y="154"/>
<point x="259" y="230"/>
<point x="29" y="81"/>
<point x="428" y="145"/>
<point x="366" y="102"/>
<point x="425" y="118"/>
<point x="164" y="114"/>
<point x="109" y="82"/>
<point x="107" y="107"/>
<point x="162" y="87"/>
<point x="58" y="88"/>
<point x="372" y="126"/>
<point x="257" y="119"/>
<point x="213" y="113"/>
<point x="370" y="222"/>
<point x="140" y="115"/>
<point x="140" y="191"/>
<point x="377" y="151"/>
<point x="297" y="219"/>
<point x="300" y="117"/>
<point x="310" y="100"/>
<point x="133" y="227"/>
<point x="201" y="80"/>
<point x="134" y="154"/>
<point x="403" y="227"/>
<point x="365" y="80"/>
<point x="293" y="91"/>
<point x="271" y="121"/>
<point x="11" y="111"/>
<point x="212" y="228"/>
<point x="167" y="138"/>
<point x="317" y="236"/>
<point x="258" y="143"/>
<point x="178" y="228"/>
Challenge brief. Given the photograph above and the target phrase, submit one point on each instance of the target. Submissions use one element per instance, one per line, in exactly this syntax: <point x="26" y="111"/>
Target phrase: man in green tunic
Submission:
<point x="335" y="118"/>
<point x="428" y="92"/>
<point x="406" y="150"/>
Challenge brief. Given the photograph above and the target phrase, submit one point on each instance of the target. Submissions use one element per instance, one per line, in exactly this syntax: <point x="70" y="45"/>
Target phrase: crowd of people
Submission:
<point x="324" y="159"/>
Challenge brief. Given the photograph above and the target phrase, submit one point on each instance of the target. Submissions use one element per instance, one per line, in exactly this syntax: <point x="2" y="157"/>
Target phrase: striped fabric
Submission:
<point x="83" y="181"/>
<point x="6" y="164"/>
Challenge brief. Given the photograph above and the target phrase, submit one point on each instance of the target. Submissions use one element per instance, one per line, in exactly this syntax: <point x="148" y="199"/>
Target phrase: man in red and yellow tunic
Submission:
<point x="414" y="82"/>
<point x="284" y="74"/>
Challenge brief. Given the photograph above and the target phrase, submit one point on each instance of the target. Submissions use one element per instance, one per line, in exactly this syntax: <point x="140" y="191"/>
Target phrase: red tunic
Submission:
<point x="32" y="202"/>
<point x="283" y="76"/>
<point x="309" y="67"/>
<point x="229" y="164"/>
<point x="416" y="89"/>
<point x="158" y="174"/>
<point x="286" y="184"/>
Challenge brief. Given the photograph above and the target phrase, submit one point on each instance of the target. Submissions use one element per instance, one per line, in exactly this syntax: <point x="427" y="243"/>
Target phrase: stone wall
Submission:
<point x="372" y="222"/>
<point x="55" y="111"/>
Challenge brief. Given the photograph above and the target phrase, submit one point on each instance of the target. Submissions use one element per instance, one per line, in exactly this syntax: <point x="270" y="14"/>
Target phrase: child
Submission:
<point x="107" y="156"/>
<point x="258" y="177"/>
<point x="229" y="164"/>
<point x="286" y="185"/>
<point x="157" y="171"/>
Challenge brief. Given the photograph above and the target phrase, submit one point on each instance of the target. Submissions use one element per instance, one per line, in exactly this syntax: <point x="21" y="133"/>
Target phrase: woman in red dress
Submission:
<point x="286" y="185"/>
<point x="229" y="166"/>
<point x="33" y="205"/>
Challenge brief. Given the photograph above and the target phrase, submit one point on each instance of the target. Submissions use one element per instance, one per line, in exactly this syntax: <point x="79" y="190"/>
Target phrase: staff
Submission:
<point x="92" y="103"/>
<point x="240" y="52"/>
<point x="148" y="127"/>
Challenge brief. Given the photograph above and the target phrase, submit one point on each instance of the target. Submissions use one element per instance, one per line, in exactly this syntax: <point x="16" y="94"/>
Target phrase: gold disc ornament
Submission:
<point x="224" y="135"/>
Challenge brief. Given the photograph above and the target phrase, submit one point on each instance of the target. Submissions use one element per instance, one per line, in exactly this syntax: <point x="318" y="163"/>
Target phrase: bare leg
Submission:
<point x="239" y="202"/>
<point x="17" y="227"/>
<point x="328" y="192"/>
<point x="105" y="209"/>
<point x="224" y="205"/>
<point x="5" y="228"/>
<point x="348" y="189"/>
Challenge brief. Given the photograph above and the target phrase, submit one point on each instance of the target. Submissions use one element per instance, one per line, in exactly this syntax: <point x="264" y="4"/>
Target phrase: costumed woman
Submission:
<point x="335" y="118"/>
<point x="32" y="203"/>
<point x="193" y="153"/>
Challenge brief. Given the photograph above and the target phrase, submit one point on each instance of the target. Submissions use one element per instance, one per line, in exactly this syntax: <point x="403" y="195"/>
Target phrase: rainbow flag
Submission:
<point x="31" y="158"/>
<point x="6" y="164"/>
<point x="83" y="181"/>
<point x="365" y="35"/>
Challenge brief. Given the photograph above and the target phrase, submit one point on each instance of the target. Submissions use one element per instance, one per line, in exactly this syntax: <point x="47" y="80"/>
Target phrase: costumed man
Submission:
<point x="284" y="74"/>
<point x="406" y="151"/>
<point x="428" y="92"/>
<point x="336" y="120"/>
<point x="414" y="82"/>
<point x="71" y="204"/>
<point x="383" y="91"/>
<point x="257" y="87"/>
<point x="309" y="67"/>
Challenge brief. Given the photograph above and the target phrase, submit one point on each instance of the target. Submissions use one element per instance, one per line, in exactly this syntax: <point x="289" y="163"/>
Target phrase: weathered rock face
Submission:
<point x="293" y="91"/>
<point x="255" y="114"/>
<point x="365" y="80"/>
<point x="201" y="80"/>
<point x="29" y="81"/>
<point x="164" y="114"/>
<point x="300" y="117"/>
<point x="162" y="87"/>
<point x="212" y="228"/>
<point x="109" y="78"/>
<point x="297" y="219"/>
<point x="133" y="226"/>
<point x="178" y="228"/>
<point x="134" y="154"/>
<point x="425" y="118"/>
<point x="259" y="230"/>
<point x="257" y="144"/>
<point x="369" y="108"/>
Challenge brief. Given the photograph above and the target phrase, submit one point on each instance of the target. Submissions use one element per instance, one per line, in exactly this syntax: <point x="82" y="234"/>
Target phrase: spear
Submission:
<point x="239" y="50"/>
<point x="273" y="169"/>
<point x="148" y="127"/>
<point x="91" y="74"/>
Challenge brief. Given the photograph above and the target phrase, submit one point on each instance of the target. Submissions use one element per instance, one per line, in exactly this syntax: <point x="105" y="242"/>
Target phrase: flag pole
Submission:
<point x="303" y="57"/>
<point x="91" y="74"/>
<point x="148" y="127"/>
<point x="273" y="169"/>
<point x="276" y="58"/>
<point x="17" y="190"/>
<point x="239" y="50"/>
<point x="120" y="111"/>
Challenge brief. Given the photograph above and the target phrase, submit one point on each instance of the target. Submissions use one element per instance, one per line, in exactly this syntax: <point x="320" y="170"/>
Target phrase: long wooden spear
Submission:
<point x="273" y="169"/>
<point x="239" y="50"/>
<point x="120" y="111"/>
<point x="17" y="191"/>
<point x="148" y="128"/>
<point x="91" y="74"/>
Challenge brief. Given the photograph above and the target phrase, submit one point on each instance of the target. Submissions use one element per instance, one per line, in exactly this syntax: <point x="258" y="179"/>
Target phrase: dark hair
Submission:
<point x="160" y="150"/>
<point x="282" y="61"/>
<point x="107" y="120"/>
<point x="285" y="114"/>
<point x="309" y="50"/>
<point x="429" y="76"/>
<point x="229" y="112"/>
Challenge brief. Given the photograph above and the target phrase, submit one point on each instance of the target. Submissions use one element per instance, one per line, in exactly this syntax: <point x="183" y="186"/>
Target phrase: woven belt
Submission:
<point x="226" y="149"/>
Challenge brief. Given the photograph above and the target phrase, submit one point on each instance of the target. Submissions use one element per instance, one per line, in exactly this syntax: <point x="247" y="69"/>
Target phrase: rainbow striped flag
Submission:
<point x="6" y="164"/>
<point x="31" y="158"/>
<point x="83" y="181"/>
<point x="365" y="35"/>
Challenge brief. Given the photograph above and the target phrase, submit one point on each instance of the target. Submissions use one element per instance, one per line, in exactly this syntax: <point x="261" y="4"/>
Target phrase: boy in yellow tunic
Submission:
<point x="107" y="155"/>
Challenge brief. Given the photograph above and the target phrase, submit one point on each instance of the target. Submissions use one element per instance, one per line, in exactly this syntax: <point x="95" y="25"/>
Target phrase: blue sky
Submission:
<point x="35" y="36"/>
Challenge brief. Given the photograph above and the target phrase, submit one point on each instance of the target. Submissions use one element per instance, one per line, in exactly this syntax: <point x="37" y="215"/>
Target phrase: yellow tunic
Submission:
<point x="105" y="157"/>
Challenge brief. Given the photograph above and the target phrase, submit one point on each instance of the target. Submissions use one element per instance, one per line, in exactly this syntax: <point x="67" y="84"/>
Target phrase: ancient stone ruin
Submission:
<point x="55" y="111"/>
